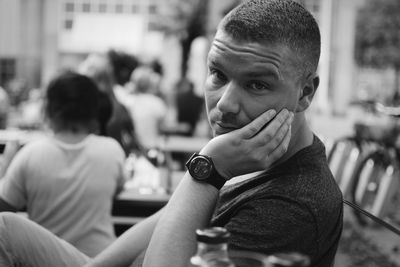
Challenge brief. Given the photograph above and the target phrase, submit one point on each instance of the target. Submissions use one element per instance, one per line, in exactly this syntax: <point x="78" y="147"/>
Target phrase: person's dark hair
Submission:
<point x="123" y="64"/>
<point x="277" y="22"/>
<point x="72" y="102"/>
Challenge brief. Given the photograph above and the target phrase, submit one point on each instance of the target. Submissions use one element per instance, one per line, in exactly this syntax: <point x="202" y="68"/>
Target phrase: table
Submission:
<point x="130" y="207"/>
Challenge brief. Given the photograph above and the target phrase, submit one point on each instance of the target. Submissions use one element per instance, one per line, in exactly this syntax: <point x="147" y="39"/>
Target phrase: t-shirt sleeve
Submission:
<point x="122" y="172"/>
<point x="273" y="225"/>
<point x="13" y="189"/>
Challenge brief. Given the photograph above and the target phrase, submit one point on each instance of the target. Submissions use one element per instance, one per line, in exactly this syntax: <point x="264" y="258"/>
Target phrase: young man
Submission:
<point x="280" y="195"/>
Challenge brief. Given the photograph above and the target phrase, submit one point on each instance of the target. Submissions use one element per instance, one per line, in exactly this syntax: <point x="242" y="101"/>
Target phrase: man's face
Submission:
<point x="245" y="79"/>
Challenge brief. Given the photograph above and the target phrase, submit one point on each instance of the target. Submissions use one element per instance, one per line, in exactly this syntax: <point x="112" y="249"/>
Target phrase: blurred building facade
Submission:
<point x="40" y="36"/>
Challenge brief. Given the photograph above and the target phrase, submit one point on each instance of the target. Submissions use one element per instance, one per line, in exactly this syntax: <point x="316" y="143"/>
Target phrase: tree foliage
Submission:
<point x="186" y="19"/>
<point x="378" y="34"/>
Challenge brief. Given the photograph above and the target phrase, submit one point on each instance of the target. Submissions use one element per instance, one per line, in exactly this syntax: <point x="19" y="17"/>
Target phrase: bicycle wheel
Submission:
<point x="373" y="184"/>
<point x="342" y="159"/>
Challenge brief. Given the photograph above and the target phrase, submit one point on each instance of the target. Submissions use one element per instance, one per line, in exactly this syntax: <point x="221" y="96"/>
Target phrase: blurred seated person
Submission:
<point x="32" y="111"/>
<point x="4" y="108"/>
<point x="115" y="120"/>
<point x="67" y="181"/>
<point x="147" y="110"/>
<point x="189" y="105"/>
<point x="123" y="65"/>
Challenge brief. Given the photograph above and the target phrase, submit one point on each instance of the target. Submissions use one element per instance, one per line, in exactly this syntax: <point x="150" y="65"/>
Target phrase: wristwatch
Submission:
<point x="202" y="169"/>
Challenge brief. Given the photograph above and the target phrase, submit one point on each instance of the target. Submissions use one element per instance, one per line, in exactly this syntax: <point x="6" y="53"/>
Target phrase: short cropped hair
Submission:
<point x="278" y="22"/>
<point x="72" y="101"/>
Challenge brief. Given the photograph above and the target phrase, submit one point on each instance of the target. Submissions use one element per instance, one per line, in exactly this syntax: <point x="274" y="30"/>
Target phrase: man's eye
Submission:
<point x="258" y="86"/>
<point x="217" y="75"/>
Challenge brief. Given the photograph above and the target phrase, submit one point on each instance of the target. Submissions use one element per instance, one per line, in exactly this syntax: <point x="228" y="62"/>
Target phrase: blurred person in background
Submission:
<point x="115" y="120"/>
<point x="123" y="65"/>
<point x="189" y="105"/>
<point x="18" y="91"/>
<point x="4" y="108"/>
<point x="67" y="181"/>
<point x="31" y="111"/>
<point x="157" y="67"/>
<point x="146" y="108"/>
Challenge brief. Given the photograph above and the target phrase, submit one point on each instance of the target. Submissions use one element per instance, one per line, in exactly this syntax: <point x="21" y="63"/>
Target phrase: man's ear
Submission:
<point x="307" y="92"/>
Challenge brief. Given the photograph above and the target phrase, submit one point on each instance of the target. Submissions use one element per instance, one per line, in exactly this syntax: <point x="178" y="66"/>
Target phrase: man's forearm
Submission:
<point x="174" y="239"/>
<point x="128" y="246"/>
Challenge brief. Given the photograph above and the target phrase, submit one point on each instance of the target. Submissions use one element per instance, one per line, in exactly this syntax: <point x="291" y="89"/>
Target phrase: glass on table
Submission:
<point x="144" y="176"/>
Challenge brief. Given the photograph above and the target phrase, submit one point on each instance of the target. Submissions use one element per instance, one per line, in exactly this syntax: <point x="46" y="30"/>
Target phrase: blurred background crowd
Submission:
<point x="168" y="41"/>
<point x="148" y="58"/>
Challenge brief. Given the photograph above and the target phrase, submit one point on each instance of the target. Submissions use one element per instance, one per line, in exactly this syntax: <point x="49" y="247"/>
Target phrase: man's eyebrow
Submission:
<point x="263" y="73"/>
<point x="258" y="73"/>
<point x="212" y="61"/>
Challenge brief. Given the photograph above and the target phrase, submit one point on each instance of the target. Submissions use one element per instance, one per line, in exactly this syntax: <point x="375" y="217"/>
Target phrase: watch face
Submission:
<point x="201" y="167"/>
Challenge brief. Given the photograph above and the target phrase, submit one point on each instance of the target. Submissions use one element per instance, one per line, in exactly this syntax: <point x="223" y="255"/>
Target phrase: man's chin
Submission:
<point x="220" y="131"/>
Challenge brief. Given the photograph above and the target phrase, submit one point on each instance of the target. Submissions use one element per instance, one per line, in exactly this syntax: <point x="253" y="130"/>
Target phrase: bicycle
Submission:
<point x="367" y="164"/>
<point x="376" y="178"/>
<point x="344" y="154"/>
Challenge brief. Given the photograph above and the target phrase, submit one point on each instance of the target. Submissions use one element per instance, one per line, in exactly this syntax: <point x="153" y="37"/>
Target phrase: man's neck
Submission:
<point x="301" y="137"/>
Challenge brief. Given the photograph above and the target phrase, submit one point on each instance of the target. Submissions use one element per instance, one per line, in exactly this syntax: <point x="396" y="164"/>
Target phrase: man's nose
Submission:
<point x="229" y="100"/>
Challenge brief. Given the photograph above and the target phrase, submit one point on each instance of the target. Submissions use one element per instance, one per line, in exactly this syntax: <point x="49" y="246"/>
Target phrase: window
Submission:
<point x="69" y="7"/>
<point x="68" y="23"/>
<point x="7" y="69"/>
<point x="152" y="9"/>
<point x="119" y="8"/>
<point x="103" y="8"/>
<point x="134" y="9"/>
<point x="86" y="7"/>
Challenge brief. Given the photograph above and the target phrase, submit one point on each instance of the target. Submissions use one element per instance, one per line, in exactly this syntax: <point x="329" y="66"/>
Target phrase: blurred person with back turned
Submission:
<point x="146" y="108"/>
<point x="67" y="180"/>
<point x="115" y="120"/>
<point x="264" y="176"/>
<point x="189" y="105"/>
<point x="4" y="108"/>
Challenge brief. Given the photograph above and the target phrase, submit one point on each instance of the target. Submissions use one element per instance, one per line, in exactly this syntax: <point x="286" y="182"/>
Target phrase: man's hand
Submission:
<point x="254" y="147"/>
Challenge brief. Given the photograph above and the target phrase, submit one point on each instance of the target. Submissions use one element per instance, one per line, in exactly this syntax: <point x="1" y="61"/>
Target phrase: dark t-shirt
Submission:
<point x="295" y="206"/>
<point x="189" y="107"/>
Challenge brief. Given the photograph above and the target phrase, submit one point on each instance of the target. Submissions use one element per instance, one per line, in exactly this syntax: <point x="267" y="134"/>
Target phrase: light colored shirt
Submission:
<point x="68" y="188"/>
<point x="148" y="112"/>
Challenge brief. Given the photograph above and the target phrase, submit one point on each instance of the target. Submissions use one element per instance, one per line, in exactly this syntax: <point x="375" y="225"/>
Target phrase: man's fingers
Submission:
<point x="266" y="134"/>
<point x="257" y="124"/>
<point x="273" y="139"/>
<point x="282" y="146"/>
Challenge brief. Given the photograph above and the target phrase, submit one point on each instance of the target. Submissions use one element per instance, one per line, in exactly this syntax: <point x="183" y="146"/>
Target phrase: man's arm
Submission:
<point x="128" y="246"/>
<point x="189" y="208"/>
<point x="192" y="204"/>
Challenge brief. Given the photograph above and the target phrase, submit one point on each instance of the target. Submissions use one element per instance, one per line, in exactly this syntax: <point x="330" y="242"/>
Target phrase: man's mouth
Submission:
<point x="221" y="127"/>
